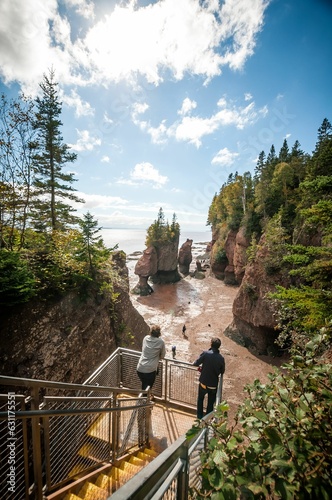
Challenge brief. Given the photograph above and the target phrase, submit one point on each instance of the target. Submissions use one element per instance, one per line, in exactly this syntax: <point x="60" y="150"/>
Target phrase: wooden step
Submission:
<point x="145" y="457"/>
<point x="131" y="469"/>
<point x="105" y="483"/>
<point x="152" y="453"/>
<point x="92" y="492"/>
<point x="118" y="476"/>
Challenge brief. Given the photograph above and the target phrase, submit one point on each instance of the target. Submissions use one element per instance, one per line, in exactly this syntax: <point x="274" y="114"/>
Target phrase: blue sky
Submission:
<point x="163" y="99"/>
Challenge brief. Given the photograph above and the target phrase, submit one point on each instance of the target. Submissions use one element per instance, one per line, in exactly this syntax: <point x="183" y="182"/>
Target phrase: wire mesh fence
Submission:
<point x="14" y="462"/>
<point x="75" y="443"/>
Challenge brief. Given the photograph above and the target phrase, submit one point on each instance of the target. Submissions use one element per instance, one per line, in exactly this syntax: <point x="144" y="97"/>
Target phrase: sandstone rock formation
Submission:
<point x="185" y="257"/>
<point x="254" y="319"/>
<point x="230" y="266"/>
<point x="68" y="338"/>
<point x="167" y="263"/>
<point x="146" y="266"/>
<point x="160" y="264"/>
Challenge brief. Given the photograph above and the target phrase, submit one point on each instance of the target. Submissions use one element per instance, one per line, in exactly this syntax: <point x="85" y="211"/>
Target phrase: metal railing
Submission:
<point x="46" y="441"/>
<point x="62" y="430"/>
<point x="176" y="381"/>
<point x="174" y="474"/>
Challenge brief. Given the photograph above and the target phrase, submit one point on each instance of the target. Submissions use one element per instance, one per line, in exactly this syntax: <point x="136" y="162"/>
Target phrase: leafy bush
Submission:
<point x="17" y="283"/>
<point x="220" y="256"/>
<point x="281" y="443"/>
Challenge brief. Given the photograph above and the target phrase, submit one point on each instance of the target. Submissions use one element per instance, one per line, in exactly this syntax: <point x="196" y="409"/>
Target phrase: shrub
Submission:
<point x="17" y="283"/>
<point x="281" y="443"/>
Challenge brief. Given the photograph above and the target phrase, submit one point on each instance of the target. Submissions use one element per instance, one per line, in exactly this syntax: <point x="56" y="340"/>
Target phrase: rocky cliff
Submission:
<point x="254" y="323"/>
<point x="68" y="338"/>
<point x="228" y="258"/>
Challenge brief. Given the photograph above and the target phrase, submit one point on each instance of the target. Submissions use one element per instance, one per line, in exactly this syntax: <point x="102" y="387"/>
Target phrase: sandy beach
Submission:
<point x="205" y="307"/>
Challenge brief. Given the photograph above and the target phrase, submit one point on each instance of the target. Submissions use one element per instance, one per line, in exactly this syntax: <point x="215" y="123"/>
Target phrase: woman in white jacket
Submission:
<point x="153" y="349"/>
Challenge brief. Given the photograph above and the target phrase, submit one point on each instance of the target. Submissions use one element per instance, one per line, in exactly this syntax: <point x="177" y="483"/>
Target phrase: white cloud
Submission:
<point x="85" y="141"/>
<point x="82" y="7"/>
<point x="105" y="159"/>
<point x="187" y="106"/>
<point x="247" y="96"/>
<point x="224" y="157"/>
<point x="101" y="201"/>
<point x="82" y="108"/>
<point x="139" y="108"/>
<point x="192" y="128"/>
<point x="142" y="173"/>
<point x="180" y="36"/>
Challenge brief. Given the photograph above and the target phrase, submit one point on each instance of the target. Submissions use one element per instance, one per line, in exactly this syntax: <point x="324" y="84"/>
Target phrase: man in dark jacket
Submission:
<point x="213" y="365"/>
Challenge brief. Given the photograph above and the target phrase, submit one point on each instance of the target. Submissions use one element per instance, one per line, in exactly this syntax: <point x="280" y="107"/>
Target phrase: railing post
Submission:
<point x="46" y="426"/>
<point x="183" y="478"/>
<point x="219" y="390"/>
<point x="148" y="420"/>
<point x="36" y="446"/>
<point x="166" y="381"/>
<point x="115" y="427"/>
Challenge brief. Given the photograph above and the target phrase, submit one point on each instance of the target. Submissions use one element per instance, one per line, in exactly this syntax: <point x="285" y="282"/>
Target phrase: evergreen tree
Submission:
<point x="52" y="185"/>
<point x="92" y="248"/>
<point x="284" y="152"/>
<point x="259" y="166"/>
<point x="322" y="157"/>
<point x="296" y="151"/>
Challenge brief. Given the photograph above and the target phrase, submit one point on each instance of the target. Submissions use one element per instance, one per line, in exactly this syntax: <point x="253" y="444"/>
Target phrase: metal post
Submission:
<point x="46" y="424"/>
<point x="115" y="427"/>
<point x="183" y="477"/>
<point x="36" y="446"/>
<point x="219" y="390"/>
<point x="166" y="381"/>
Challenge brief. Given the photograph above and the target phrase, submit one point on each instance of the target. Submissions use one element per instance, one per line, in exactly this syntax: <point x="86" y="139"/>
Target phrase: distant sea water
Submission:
<point x="133" y="240"/>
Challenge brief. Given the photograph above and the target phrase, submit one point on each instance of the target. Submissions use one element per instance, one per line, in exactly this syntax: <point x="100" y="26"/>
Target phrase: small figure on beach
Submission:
<point x="213" y="365"/>
<point x="174" y="351"/>
<point x="153" y="349"/>
<point x="184" y="328"/>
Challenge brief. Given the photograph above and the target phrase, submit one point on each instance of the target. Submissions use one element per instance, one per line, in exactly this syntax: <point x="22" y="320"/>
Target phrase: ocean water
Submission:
<point x="133" y="240"/>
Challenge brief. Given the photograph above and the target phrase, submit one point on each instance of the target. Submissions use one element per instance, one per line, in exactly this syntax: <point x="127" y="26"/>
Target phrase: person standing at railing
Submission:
<point x="153" y="349"/>
<point x="212" y="365"/>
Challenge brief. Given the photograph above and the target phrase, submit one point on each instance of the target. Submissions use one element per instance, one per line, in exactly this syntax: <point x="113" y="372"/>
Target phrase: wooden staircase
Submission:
<point x="101" y="485"/>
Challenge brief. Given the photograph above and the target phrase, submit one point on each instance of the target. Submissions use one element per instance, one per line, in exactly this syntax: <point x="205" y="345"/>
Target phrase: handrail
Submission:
<point x="61" y="413"/>
<point x="30" y="382"/>
<point x="156" y="477"/>
<point x="177" y="380"/>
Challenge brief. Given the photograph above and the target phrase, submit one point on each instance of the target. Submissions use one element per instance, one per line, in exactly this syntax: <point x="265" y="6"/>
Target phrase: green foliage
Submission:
<point x="275" y="241"/>
<point x="91" y="249"/>
<point x="52" y="154"/>
<point x="161" y="232"/>
<point x="220" y="256"/>
<point x="281" y="443"/>
<point x="17" y="283"/>
<point x="233" y="202"/>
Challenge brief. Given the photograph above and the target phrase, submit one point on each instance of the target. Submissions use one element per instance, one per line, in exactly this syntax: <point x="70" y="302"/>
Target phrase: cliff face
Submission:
<point x="253" y="311"/>
<point x="68" y="338"/>
<point x="232" y="266"/>
<point x="254" y="323"/>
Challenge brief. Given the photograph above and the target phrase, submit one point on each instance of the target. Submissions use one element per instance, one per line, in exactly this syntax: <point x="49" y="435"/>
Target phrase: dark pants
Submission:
<point x="212" y="396"/>
<point x="147" y="379"/>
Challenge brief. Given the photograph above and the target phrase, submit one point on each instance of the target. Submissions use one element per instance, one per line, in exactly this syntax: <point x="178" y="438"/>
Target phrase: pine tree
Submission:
<point x="284" y="152"/>
<point x="52" y="185"/>
<point x="92" y="249"/>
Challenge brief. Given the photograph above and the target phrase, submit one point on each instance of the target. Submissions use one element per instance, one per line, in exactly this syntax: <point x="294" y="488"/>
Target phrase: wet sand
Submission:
<point x="205" y="307"/>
